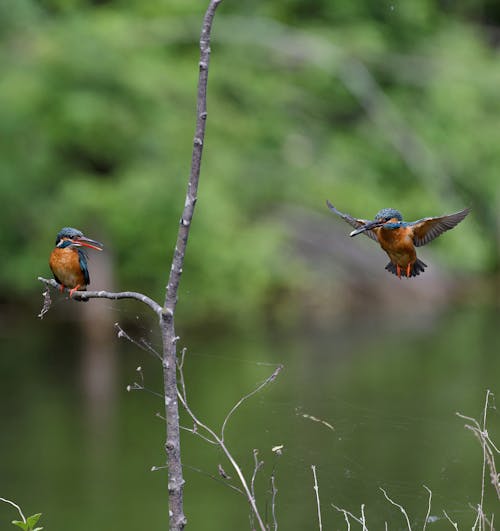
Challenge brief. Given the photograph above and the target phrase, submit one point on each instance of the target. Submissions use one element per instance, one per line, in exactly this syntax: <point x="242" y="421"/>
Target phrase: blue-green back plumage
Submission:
<point x="82" y="255"/>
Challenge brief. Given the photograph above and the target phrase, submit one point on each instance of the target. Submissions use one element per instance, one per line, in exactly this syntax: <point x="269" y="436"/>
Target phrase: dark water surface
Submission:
<point x="390" y="391"/>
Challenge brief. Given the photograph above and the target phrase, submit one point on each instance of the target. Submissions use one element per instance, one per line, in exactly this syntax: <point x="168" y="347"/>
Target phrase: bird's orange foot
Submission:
<point x="398" y="271"/>
<point x="72" y="291"/>
<point x="408" y="270"/>
<point x="61" y="288"/>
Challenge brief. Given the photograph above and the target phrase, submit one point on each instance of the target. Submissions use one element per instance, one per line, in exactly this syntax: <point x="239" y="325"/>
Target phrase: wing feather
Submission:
<point x="353" y="222"/>
<point x="82" y="256"/>
<point x="427" y="229"/>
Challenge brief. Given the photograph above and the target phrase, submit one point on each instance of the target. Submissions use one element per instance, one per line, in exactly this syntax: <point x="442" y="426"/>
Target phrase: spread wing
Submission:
<point x="354" y="222"/>
<point x="426" y="229"/>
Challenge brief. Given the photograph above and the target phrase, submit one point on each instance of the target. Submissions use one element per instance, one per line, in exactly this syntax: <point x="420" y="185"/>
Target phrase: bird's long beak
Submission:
<point x="367" y="226"/>
<point x="87" y="242"/>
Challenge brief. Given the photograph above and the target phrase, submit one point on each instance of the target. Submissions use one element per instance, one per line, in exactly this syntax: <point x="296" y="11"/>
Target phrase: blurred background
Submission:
<point x="369" y="104"/>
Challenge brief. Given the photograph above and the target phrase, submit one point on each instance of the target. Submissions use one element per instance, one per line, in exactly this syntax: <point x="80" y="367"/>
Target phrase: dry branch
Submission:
<point x="85" y="295"/>
<point x="169" y="337"/>
<point x="316" y="493"/>
<point x="214" y="437"/>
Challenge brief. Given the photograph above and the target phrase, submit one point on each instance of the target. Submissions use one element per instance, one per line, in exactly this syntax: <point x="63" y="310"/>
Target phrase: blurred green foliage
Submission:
<point x="370" y="104"/>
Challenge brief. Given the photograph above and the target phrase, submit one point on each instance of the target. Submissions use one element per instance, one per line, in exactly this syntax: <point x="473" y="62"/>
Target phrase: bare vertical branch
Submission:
<point x="316" y="491"/>
<point x="429" y="503"/>
<point x="363" y="518"/>
<point x="274" y="492"/>
<point x="257" y="466"/>
<point x="490" y="451"/>
<point x="169" y="338"/>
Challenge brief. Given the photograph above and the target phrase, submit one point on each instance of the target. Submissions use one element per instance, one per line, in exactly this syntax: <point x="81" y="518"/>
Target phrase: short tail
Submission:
<point x="417" y="267"/>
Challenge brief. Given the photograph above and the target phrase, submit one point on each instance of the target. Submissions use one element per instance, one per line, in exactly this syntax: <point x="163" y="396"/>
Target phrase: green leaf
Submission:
<point x="33" y="520"/>
<point x="20" y="524"/>
<point x="38" y="529"/>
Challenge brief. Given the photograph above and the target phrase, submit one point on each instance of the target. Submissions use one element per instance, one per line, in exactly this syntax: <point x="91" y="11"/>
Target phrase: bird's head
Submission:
<point x="386" y="215"/>
<point x="70" y="237"/>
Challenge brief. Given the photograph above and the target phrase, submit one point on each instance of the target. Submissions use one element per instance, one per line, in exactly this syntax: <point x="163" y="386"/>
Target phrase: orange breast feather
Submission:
<point x="65" y="265"/>
<point x="398" y="244"/>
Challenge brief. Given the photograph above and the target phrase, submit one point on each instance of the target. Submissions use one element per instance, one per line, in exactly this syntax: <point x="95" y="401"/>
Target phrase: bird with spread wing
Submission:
<point x="399" y="238"/>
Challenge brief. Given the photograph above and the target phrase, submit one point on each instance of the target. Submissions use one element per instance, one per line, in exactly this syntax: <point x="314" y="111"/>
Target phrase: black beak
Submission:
<point x="367" y="226"/>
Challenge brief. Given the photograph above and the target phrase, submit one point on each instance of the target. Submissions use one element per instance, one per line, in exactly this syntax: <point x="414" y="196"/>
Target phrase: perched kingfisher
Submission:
<point x="399" y="238"/>
<point x="68" y="260"/>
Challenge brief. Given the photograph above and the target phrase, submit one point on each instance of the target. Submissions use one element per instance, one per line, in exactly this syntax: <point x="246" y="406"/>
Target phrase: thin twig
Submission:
<point x="16" y="506"/>
<point x="267" y="381"/>
<point x="215" y="478"/>
<point x="363" y="519"/>
<point x="221" y="443"/>
<point x="47" y="303"/>
<point x="478" y="520"/>
<point x="274" y="492"/>
<point x="346" y="518"/>
<point x="488" y="447"/>
<point x="257" y="466"/>
<point x="428" y="506"/>
<point x="142" y="344"/>
<point x="401" y="508"/>
<point x="348" y="513"/>
<point x="198" y="434"/>
<point x="316" y="491"/>
<point x="139" y="387"/>
<point x="454" y="524"/>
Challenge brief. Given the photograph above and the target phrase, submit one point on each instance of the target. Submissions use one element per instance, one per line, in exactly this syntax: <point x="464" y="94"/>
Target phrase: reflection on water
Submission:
<point x="390" y="394"/>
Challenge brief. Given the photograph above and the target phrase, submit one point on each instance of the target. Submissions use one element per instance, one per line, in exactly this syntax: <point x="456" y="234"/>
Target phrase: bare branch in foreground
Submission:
<point x="316" y="492"/>
<point x="142" y="344"/>
<point x="85" y="295"/>
<point x="23" y="518"/>
<point x="257" y="466"/>
<point x="346" y="518"/>
<point x="454" y="524"/>
<point x="346" y="513"/>
<point x="274" y="492"/>
<point x="489" y="449"/>
<point x="428" y="507"/>
<point x="213" y="436"/>
<point x="267" y="381"/>
<point x="401" y="508"/>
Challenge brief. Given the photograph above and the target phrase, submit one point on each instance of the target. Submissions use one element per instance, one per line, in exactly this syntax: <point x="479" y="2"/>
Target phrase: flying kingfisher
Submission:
<point x="68" y="260"/>
<point x="399" y="238"/>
